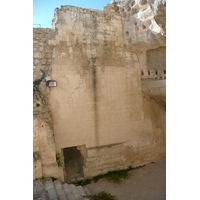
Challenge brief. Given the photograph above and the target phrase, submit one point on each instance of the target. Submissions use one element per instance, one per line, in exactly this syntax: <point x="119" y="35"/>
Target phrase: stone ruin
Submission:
<point x="108" y="109"/>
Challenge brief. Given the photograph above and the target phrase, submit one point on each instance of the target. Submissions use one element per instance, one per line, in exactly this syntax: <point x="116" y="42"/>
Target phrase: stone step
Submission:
<point x="59" y="190"/>
<point x="75" y="192"/>
<point x="56" y="191"/>
<point x="82" y="193"/>
<point x="39" y="191"/>
<point x="81" y="190"/>
<point x="49" y="187"/>
<point x="68" y="191"/>
<point x="87" y="191"/>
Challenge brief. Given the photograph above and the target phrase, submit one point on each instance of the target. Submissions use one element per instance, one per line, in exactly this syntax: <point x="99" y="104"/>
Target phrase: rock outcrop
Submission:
<point x="108" y="109"/>
<point x="144" y="22"/>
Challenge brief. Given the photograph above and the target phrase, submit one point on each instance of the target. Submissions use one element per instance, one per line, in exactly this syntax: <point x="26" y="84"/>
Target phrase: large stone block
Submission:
<point x="98" y="59"/>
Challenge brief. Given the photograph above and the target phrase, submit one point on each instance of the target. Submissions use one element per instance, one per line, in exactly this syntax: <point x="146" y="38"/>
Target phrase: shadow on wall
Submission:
<point x="73" y="164"/>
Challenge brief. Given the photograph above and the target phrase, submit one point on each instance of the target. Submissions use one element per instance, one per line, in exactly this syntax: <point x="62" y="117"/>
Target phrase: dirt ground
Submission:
<point x="145" y="183"/>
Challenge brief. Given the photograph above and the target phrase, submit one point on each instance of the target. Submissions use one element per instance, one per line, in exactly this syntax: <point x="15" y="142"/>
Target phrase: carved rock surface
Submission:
<point x="109" y="102"/>
<point x="144" y="22"/>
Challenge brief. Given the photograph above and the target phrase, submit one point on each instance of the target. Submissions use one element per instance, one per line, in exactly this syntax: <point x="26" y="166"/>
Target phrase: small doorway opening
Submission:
<point x="73" y="164"/>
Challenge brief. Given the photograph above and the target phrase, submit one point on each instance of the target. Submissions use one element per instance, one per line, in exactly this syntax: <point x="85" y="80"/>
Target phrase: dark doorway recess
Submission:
<point x="73" y="164"/>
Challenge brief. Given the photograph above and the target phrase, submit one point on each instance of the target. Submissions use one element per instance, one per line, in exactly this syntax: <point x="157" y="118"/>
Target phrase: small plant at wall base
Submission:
<point x="116" y="176"/>
<point x="53" y="179"/>
<point x="57" y="156"/>
<point x="37" y="105"/>
<point x="82" y="182"/>
<point x="102" y="196"/>
<point x="58" y="159"/>
<point x="113" y="176"/>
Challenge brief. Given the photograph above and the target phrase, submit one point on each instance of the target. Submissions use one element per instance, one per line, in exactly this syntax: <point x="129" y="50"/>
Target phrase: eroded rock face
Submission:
<point x="153" y="73"/>
<point x="144" y="32"/>
<point x="110" y="71"/>
<point x="144" y="22"/>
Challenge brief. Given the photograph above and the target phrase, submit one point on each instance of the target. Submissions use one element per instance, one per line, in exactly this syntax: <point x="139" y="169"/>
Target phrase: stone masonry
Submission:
<point x="110" y="97"/>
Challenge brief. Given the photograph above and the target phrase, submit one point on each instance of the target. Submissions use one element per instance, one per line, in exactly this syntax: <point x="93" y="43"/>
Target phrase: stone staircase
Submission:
<point x="48" y="190"/>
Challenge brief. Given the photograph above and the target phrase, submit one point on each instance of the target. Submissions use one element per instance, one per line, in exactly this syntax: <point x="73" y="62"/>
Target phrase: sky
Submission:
<point x="43" y="10"/>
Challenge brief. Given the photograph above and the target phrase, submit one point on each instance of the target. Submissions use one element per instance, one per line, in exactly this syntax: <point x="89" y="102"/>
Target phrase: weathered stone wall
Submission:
<point x="153" y="63"/>
<point x="153" y="73"/>
<point x="42" y="53"/>
<point x="156" y="59"/>
<point x="44" y="144"/>
<point x="118" y="156"/>
<point x="100" y="104"/>
<point x="98" y="96"/>
<point x="156" y="111"/>
<point x="89" y="64"/>
<point x="143" y="23"/>
<point x="44" y="154"/>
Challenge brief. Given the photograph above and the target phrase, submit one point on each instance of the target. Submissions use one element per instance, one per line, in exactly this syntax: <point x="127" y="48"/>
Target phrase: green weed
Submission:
<point x="114" y="176"/>
<point x="53" y="179"/>
<point x="102" y="196"/>
<point x="82" y="182"/>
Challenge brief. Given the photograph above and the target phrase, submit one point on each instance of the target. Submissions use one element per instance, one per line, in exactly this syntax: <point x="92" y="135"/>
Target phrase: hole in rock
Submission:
<point x="121" y="10"/>
<point x="143" y="27"/>
<point x="143" y="2"/>
<point x="128" y="8"/>
<point x="132" y="3"/>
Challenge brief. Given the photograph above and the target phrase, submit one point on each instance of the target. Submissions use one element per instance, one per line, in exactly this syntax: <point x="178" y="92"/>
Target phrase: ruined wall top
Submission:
<point x="144" y="21"/>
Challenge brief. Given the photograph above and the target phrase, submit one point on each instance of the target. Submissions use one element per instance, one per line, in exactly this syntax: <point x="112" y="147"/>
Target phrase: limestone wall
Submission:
<point x="44" y="146"/>
<point x="99" y="90"/>
<point x="144" y="22"/>
<point x="98" y="99"/>
<point x="44" y="154"/>
<point x="153" y="76"/>
<point x="156" y="59"/>
<point x="99" y="105"/>
<point x="118" y="156"/>
<point x="156" y="111"/>
<point x="153" y="73"/>
<point x="42" y="53"/>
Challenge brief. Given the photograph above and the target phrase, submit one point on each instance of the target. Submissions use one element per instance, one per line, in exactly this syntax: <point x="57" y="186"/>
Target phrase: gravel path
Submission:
<point x="145" y="183"/>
